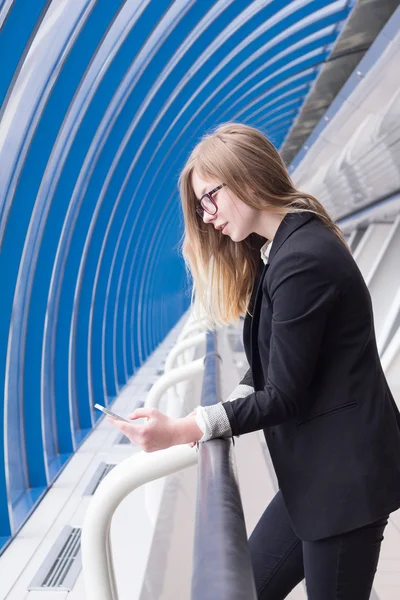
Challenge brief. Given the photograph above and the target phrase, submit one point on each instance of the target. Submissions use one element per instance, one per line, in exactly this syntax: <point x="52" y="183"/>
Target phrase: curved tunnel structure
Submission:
<point x="101" y="104"/>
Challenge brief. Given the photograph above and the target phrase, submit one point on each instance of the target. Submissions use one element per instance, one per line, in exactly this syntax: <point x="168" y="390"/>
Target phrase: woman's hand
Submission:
<point x="159" y="431"/>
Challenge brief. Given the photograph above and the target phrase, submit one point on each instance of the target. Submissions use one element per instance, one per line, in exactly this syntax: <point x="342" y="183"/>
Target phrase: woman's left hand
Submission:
<point x="159" y="431"/>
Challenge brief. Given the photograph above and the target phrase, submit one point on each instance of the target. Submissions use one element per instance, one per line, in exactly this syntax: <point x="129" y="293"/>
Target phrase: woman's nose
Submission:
<point x="207" y="218"/>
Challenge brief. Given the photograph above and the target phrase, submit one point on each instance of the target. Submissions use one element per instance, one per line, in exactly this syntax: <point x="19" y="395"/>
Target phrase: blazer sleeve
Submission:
<point x="302" y="294"/>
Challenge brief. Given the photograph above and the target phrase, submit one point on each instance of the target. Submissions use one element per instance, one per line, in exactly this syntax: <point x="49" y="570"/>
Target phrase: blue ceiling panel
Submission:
<point x="101" y="104"/>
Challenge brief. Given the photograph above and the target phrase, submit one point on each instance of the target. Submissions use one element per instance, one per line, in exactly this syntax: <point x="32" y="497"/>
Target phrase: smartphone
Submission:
<point x="108" y="412"/>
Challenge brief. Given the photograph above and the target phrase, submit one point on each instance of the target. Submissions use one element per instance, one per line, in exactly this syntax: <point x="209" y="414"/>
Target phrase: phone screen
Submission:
<point x="109" y="412"/>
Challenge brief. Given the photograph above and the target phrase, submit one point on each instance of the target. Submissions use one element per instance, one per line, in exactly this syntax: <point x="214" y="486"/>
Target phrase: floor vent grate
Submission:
<point x="101" y="471"/>
<point x="63" y="563"/>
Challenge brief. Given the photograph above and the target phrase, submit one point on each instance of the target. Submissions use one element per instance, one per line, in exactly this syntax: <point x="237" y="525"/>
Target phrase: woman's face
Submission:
<point x="239" y="219"/>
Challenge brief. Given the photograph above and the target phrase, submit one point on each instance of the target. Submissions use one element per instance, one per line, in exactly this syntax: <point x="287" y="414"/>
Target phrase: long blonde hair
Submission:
<point x="223" y="271"/>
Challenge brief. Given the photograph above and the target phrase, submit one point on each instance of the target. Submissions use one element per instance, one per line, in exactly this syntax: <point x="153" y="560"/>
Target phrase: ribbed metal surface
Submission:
<point x="352" y="159"/>
<point x="101" y="471"/>
<point x="63" y="561"/>
<point x="62" y="565"/>
<point x="363" y="26"/>
<point x="105" y="472"/>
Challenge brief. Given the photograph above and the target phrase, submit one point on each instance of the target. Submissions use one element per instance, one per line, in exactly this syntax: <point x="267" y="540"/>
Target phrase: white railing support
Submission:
<point x="180" y="347"/>
<point x="171" y="378"/>
<point x="125" y="477"/>
<point x="192" y="326"/>
<point x="190" y="329"/>
<point x="178" y="357"/>
<point x="165" y="383"/>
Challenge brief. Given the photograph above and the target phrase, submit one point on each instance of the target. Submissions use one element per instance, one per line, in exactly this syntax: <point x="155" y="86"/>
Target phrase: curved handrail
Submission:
<point x="180" y="347"/>
<point x="171" y="378"/>
<point x="189" y="328"/>
<point x="192" y="326"/>
<point x="125" y="477"/>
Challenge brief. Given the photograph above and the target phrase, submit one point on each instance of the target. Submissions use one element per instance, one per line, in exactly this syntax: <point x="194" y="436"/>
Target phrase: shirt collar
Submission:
<point x="265" y="250"/>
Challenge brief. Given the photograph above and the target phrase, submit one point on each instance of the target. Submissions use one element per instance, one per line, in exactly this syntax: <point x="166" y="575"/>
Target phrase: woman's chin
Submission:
<point x="236" y="237"/>
<point x="231" y="234"/>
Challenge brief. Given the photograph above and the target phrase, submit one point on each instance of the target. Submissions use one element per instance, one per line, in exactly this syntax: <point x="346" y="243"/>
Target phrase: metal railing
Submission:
<point x="221" y="559"/>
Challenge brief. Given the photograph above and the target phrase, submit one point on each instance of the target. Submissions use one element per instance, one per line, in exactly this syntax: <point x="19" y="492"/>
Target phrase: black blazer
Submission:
<point x="321" y="397"/>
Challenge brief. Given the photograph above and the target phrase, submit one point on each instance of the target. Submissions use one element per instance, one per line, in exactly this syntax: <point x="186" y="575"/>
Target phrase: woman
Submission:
<point x="315" y="383"/>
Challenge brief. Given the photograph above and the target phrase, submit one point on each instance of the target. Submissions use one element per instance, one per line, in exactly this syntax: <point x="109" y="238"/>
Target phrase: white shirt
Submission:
<point x="213" y="420"/>
<point x="265" y="250"/>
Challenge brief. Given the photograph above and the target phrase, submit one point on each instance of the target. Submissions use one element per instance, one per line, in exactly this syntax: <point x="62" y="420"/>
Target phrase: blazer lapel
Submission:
<point x="256" y="317"/>
<point x="289" y="224"/>
<point x="250" y="311"/>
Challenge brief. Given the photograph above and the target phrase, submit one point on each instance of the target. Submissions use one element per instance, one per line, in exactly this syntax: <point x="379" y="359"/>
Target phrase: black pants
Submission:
<point x="342" y="566"/>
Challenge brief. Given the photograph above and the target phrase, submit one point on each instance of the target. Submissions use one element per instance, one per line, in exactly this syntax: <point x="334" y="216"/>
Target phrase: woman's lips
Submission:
<point x="224" y="227"/>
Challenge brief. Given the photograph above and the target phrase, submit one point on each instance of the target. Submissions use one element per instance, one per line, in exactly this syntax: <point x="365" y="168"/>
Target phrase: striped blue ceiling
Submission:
<point x="101" y="103"/>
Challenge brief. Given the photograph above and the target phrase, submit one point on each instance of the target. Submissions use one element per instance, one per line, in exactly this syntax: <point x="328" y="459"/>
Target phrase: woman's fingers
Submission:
<point x="139" y="413"/>
<point x="159" y="433"/>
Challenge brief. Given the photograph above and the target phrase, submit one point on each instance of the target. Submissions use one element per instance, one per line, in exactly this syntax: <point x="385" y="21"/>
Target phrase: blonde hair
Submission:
<point x="223" y="271"/>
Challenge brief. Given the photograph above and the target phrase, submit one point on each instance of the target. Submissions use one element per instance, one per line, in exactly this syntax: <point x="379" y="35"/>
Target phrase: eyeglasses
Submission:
<point x="207" y="203"/>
